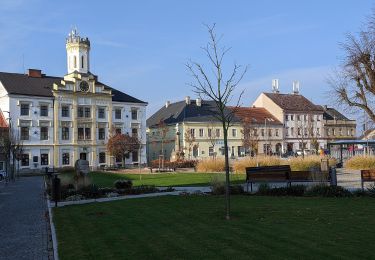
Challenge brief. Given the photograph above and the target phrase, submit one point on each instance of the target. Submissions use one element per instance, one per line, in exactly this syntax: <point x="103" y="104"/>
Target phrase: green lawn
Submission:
<point x="194" y="228"/>
<point x="106" y="179"/>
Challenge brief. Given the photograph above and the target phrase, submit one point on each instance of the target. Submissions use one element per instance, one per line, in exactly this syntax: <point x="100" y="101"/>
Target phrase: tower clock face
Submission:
<point x="84" y="86"/>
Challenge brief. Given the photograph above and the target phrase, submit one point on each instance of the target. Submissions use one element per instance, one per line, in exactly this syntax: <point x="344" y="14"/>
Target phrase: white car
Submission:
<point x="2" y="175"/>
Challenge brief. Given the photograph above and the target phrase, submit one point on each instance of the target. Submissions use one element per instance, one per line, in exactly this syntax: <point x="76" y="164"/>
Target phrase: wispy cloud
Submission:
<point x="110" y="43"/>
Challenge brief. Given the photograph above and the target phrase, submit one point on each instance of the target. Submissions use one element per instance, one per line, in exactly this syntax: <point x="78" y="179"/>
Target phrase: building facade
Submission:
<point x="4" y="130"/>
<point x="63" y="119"/>
<point x="306" y="125"/>
<point x="190" y="127"/>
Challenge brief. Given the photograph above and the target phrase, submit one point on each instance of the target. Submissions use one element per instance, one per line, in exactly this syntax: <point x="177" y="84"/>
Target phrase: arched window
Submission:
<point x="75" y="61"/>
<point x="82" y="62"/>
<point x="70" y="62"/>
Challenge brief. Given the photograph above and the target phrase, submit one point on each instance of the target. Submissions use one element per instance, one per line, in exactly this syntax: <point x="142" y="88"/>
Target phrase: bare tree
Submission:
<point x="354" y="81"/>
<point x="212" y="138"/>
<point x="12" y="148"/>
<point x="307" y="132"/>
<point x="210" y="83"/>
<point x="189" y="137"/>
<point x="250" y="137"/>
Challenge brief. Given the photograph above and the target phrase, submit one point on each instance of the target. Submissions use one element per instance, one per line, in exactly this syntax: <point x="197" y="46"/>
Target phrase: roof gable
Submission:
<point x="293" y="102"/>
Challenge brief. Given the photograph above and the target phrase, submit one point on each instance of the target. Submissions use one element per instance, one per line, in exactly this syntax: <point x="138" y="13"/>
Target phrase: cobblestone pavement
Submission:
<point x="23" y="220"/>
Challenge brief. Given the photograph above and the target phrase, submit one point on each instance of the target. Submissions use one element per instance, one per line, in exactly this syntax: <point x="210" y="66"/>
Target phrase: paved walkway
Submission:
<point x="23" y="220"/>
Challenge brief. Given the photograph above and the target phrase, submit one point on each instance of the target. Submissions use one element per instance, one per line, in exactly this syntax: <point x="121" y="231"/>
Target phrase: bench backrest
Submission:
<point x="368" y="175"/>
<point x="279" y="172"/>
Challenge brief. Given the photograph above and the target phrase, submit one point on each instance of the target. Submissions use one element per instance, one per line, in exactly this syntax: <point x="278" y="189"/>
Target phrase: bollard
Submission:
<point x="333" y="176"/>
<point x="56" y="189"/>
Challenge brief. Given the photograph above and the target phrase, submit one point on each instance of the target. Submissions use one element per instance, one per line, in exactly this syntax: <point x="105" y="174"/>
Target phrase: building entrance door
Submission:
<point x="83" y="156"/>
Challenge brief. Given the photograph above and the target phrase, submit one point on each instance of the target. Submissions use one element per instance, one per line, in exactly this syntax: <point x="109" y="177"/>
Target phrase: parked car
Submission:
<point x="305" y="152"/>
<point x="2" y="175"/>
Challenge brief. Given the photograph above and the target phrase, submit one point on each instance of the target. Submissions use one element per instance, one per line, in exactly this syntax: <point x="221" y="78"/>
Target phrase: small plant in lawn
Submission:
<point x="360" y="162"/>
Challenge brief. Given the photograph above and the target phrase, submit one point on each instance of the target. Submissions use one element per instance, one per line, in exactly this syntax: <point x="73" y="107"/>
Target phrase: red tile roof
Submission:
<point x="256" y="115"/>
<point x="3" y="121"/>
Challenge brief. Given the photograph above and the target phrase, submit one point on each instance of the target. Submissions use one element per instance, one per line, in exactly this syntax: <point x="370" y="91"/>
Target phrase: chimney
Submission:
<point x="296" y="87"/>
<point x="187" y="100"/>
<point x="34" y="73"/>
<point x="199" y="102"/>
<point x="167" y="104"/>
<point x="275" y="86"/>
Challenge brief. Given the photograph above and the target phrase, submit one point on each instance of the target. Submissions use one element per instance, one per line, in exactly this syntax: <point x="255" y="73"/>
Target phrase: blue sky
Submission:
<point x="141" y="47"/>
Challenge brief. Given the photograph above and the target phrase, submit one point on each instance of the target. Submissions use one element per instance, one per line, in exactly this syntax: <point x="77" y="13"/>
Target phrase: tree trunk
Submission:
<point x="227" y="180"/>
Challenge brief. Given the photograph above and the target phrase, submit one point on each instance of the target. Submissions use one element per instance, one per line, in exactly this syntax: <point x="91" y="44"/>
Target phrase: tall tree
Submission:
<point x="354" y="81"/>
<point x="212" y="84"/>
<point x="121" y="145"/>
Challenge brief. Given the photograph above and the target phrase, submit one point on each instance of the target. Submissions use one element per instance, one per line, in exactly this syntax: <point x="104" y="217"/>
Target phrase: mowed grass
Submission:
<point x="194" y="227"/>
<point x="106" y="179"/>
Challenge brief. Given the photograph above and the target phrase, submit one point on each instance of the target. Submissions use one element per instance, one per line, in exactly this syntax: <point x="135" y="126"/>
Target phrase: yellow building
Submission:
<point x="62" y="119"/>
<point x="190" y="127"/>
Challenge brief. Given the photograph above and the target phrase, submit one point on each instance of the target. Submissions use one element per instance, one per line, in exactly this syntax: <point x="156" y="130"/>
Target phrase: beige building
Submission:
<point x="305" y="124"/>
<point x="190" y="127"/>
<point x="337" y="126"/>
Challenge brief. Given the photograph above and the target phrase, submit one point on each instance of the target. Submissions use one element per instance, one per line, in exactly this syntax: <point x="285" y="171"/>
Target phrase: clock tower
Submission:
<point x="78" y="52"/>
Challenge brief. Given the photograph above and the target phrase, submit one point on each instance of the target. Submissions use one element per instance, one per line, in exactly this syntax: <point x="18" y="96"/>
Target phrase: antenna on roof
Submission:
<point x="295" y="87"/>
<point x="275" y="86"/>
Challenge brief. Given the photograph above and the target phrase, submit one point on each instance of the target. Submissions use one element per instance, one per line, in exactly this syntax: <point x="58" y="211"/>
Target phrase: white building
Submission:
<point x="62" y="119"/>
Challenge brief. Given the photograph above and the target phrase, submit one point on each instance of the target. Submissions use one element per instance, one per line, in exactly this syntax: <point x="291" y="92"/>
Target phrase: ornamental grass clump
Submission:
<point x="360" y="162"/>
<point x="211" y="165"/>
<point x="308" y="162"/>
<point x="240" y="165"/>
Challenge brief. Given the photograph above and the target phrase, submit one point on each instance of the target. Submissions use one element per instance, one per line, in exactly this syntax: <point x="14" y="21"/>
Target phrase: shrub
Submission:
<point x="328" y="191"/>
<point x="211" y="165"/>
<point x="241" y="164"/>
<point x="142" y="189"/>
<point x="360" y="162"/>
<point x="308" y="162"/>
<point x="184" y="164"/>
<point x="295" y="190"/>
<point x="217" y="185"/>
<point x="66" y="169"/>
<point x="371" y="190"/>
<point x="123" y="184"/>
<point x="90" y="191"/>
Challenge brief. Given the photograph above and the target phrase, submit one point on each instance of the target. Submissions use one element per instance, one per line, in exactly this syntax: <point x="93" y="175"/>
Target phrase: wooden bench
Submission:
<point x="367" y="176"/>
<point x="279" y="173"/>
